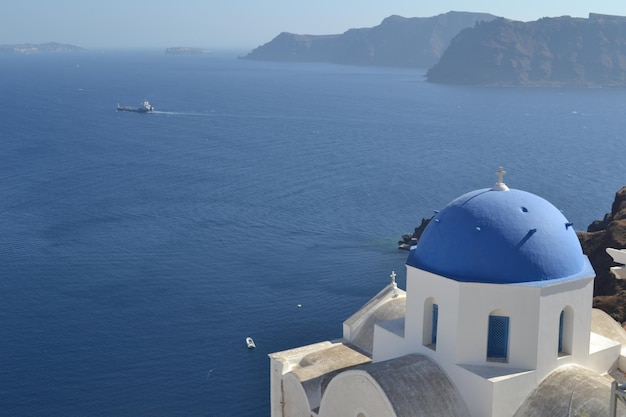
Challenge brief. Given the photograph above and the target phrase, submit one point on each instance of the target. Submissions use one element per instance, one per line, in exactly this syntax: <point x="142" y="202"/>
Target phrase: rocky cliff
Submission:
<point x="398" y="41"/>
<point x="560" y="51"/>
<point x="610" y="232"/>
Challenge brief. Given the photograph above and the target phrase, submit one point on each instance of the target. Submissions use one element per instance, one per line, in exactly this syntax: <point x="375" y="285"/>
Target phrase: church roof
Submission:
<point x="500" y="236"/>
<point x="388" y="304"/>
<point x="415" y="386"/>
<point x="571" y="390"/>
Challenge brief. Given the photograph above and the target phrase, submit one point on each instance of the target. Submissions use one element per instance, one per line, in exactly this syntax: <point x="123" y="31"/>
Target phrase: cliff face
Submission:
<point x="403" y="42"/>
<point x="561" y="51"/>
<point x="610" y="293"/>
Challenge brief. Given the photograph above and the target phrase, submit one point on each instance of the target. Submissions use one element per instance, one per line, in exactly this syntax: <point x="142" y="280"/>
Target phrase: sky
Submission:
<point x="240" y="24"/>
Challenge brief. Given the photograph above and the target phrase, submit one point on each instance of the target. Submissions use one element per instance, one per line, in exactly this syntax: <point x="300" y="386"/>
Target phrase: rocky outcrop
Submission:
<point x="610" y="232"/>
<point x="562" y="51"/>
<point x="411" y="240"/>
<point x="416" y="42"/>
<point x="29" y="48"/>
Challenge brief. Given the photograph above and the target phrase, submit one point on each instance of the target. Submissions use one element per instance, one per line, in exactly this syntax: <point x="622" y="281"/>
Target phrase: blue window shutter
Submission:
<point x="498" y="339"/>
<point x="561" y="332"/>
<point x="434" y="326"/>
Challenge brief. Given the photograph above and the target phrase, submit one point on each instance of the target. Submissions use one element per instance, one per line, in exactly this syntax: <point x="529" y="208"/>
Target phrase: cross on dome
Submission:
<point x="501" y="172"/>
<point x="500" y="185"/>
<point x="393" y="277"/>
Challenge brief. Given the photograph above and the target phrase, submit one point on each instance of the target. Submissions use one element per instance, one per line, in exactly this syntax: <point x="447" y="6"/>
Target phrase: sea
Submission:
<point x="261" y="199"/>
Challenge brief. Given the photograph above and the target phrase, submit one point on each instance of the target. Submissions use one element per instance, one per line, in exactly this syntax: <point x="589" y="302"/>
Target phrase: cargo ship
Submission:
<point x="144" y="108"/>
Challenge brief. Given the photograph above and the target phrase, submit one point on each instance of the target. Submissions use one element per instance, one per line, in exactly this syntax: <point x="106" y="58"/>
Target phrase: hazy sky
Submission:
<point x="239" y="24"/>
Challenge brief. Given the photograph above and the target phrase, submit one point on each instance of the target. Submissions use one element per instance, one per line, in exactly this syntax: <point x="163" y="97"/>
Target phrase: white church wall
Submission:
<point x="574" y="299"/>
<point x="281" y="363"/>
<point x="510" y="392"/>
<point x="388" y="344"/>
<point x="604" y="354"/>
<point x="463" y="326"/>
<point x="415" y="296"/>
<point x="519" y="303"/>
<point x="448" y="320"/>
<point x="477" y="392"/>
<point x="424" y="289"/>
<point x="295" y="400"/>
<point x="492" y="391"/>
<point x="276" y="376"/>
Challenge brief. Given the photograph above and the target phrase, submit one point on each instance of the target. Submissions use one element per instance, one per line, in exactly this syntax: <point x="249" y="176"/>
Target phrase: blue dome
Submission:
<point x="499" y="237"/>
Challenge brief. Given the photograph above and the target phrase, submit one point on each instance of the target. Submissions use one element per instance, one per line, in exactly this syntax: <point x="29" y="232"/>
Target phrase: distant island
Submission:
<point x="555" y="52"/>
<point x="416" y="42"/>
<point x="31" y="48"/>
<point x="183" y="50"/>
<point x="474" y="49"/>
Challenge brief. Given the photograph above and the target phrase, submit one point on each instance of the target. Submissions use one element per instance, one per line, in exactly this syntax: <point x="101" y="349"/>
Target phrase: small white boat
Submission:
<point x="250" y="343"/>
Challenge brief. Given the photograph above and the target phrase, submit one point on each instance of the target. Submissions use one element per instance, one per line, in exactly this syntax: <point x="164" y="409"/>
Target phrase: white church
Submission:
<point x="496" y="321"/>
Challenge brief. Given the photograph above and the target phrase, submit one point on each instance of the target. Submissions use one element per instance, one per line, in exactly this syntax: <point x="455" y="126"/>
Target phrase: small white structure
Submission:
<point x="619" y="257"/>
<point x="498" y="298"/>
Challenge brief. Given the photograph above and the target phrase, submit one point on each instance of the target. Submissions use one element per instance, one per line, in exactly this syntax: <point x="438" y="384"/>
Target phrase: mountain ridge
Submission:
<point x="416" y="42"/>
<point x="560" y="51"/>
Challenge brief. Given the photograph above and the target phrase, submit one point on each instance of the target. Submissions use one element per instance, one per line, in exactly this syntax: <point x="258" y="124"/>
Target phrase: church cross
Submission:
<point x="500" y="175"/>
<point x="393" y="276"/>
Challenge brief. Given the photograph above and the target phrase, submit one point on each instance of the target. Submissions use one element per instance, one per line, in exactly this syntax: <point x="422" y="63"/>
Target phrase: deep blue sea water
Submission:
<point x="138" y="251"/>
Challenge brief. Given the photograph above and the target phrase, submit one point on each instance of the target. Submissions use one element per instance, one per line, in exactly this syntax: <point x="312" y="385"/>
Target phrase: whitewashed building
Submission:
<point x="496" y="320"/>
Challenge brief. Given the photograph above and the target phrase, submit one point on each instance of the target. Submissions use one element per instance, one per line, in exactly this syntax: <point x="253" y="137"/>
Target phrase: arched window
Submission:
<point x="566" y="331"/>
<point x="498" y="336"/>
<point x="431" y="318"/>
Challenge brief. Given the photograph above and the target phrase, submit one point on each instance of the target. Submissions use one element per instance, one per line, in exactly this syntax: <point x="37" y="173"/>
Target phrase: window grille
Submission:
<point x="434" y="324"/>
<point x="561" y="332"/>
<point x="498" y="339"/>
